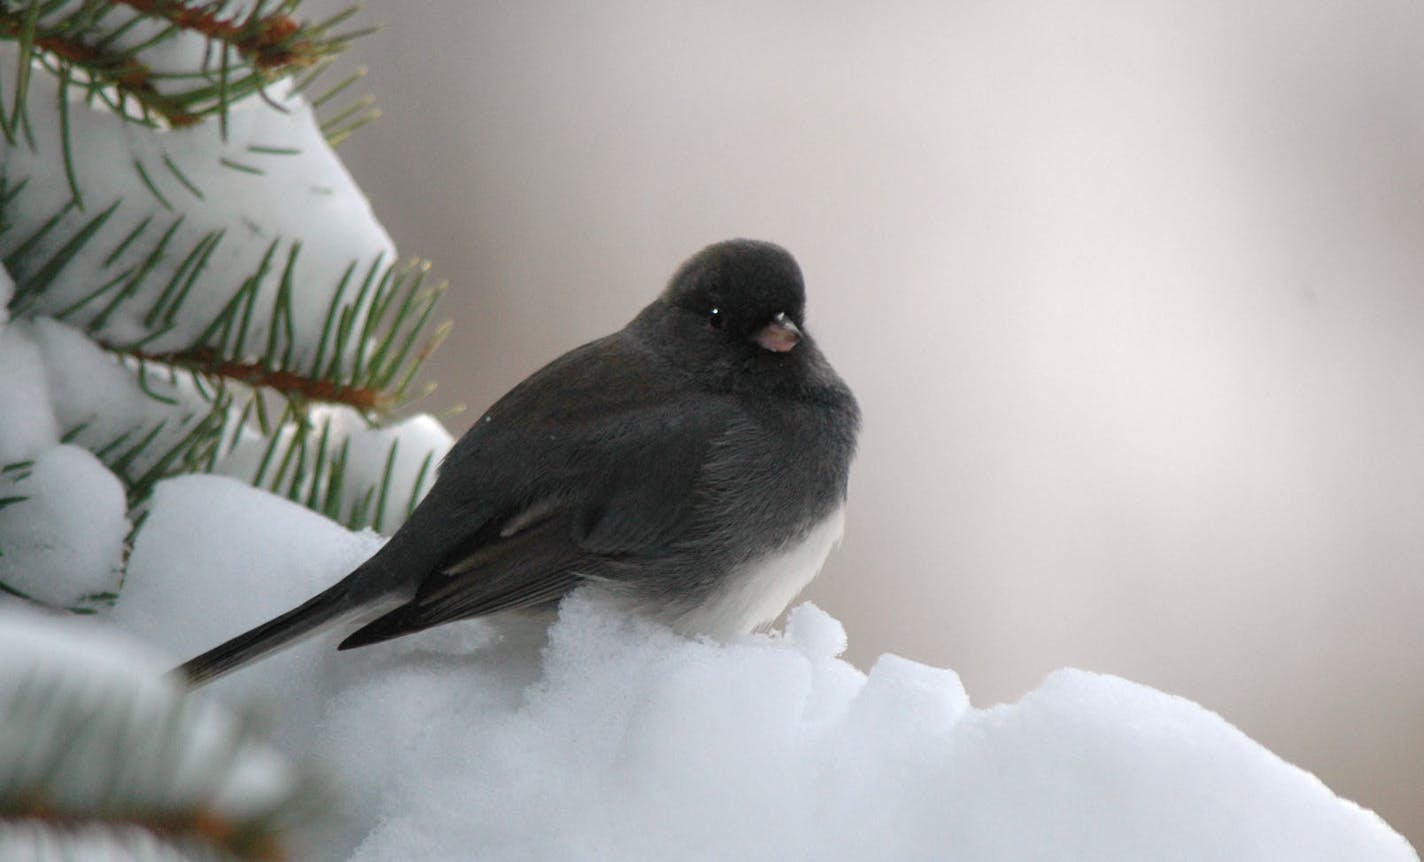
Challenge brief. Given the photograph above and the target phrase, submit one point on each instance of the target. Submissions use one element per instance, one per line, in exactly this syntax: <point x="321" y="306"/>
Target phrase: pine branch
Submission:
<point x="205" y="360"/>
<point x="15" y="471"/>
<point x="81" y="48"/>
<point x="274" y="42"/>
<point x="370" y="347"/>
<point x="126" y="75"/>
<point x="110" y="758"/>
<point x="304" y="456"/>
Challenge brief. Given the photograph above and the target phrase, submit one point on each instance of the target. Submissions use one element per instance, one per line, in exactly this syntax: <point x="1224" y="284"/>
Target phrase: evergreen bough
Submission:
<point x="168" y="188"/>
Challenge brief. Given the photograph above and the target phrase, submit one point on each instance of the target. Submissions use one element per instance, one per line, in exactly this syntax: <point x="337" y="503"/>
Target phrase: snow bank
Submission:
<point x="216" y="556"/>
<point x="612" y="738"/>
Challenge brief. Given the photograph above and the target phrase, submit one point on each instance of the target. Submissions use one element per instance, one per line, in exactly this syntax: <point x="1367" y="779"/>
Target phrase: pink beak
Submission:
<point x="778" y="336"/>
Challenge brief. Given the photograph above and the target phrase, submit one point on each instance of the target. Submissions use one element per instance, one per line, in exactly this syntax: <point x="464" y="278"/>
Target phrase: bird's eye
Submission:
<point x="715" y="319"/>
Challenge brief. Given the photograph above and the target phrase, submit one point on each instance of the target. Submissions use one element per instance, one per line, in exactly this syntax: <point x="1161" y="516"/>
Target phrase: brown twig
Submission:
<point x="204" y="360"/>
<point x="267" y="42"/>
<point x="272" y="45"/>
<point x="128" y="75"/>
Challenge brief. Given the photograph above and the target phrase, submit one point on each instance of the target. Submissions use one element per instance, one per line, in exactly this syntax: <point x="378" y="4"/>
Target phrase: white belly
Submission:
<point x="759" y="592"/>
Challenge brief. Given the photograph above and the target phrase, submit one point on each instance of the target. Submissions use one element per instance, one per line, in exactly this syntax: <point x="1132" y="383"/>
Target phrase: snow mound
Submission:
<point x="27" y="422"/>
<point x="98" y="400"/>
<point x="637" y="744"/>
<point x="216" y="556"/>
<point x="64" y="541"/>
<point x="608" y="737"/>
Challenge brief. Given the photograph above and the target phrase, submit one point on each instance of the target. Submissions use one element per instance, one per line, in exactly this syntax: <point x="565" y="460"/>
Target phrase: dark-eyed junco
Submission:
<point x="691" y="465"/>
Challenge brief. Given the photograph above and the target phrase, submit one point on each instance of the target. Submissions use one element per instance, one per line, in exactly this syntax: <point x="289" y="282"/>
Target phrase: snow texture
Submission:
<point x="609" y="737"/>
<point x="273" y="179"/>
<point x="65" y="540"/>
<point x="27" y="422"/>
<point x="216" y="555"/>
<point x="99" y="398"/>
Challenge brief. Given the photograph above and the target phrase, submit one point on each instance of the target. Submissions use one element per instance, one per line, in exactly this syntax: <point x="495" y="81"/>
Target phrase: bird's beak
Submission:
<point x="778" y="336"/>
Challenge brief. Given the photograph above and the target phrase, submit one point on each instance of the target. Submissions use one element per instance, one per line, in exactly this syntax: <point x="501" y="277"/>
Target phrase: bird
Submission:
<point x="692" y="467"/>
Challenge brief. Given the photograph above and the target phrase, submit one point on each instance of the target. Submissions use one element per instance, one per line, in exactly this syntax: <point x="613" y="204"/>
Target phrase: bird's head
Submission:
<point x="735" y="303"/>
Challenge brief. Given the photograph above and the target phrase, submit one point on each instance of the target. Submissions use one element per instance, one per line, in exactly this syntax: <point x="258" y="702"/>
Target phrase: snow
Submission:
<point x="610" y="737"/>
<point x="206" y="543"/>
<point x="65" y="541"/>
<point x="27" y="424"/>
<point x="99" y="400"/>
<point x="420" y="442"/>
<point x="641" y="745"/>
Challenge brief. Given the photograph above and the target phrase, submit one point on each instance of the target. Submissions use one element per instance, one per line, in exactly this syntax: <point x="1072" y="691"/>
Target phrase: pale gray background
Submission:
<point x="1132" y="294"/>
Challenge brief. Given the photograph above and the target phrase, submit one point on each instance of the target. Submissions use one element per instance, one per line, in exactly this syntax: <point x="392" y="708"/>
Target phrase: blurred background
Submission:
<point x="1132" y="295"/>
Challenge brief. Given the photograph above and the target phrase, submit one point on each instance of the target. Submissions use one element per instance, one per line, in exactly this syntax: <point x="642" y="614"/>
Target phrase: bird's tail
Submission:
<point x="330" y="607"/>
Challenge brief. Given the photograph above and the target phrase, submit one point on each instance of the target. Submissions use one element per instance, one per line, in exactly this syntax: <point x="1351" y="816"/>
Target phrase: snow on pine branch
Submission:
<point x="101" y="757"/>
<point x="63" y="537"/>
<point x="188" y="240"/>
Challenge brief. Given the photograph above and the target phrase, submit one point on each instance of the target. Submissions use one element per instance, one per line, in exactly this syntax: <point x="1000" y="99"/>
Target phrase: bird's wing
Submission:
<point x="603" y="434"/>
<point x="647" y="493"/>
<point x="599" y="460"/>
